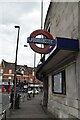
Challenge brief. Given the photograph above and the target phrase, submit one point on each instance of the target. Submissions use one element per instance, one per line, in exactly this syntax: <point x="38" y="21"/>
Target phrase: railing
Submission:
<point x="4" y="112"/>
<point x="4" y="105"/>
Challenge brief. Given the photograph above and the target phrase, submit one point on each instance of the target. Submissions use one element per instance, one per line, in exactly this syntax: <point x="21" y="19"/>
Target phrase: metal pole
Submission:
<point x="41" y="19"/>
<point x="16" y="66"/>
<point x="41" y="14"/>
<point x="34" y="72"/>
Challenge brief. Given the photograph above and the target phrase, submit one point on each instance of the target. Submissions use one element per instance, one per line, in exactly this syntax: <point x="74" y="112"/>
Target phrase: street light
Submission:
<point x="18" y="27"/>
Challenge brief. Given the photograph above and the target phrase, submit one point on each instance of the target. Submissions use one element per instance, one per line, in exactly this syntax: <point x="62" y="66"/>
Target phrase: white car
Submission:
<point x="32" y="91"/>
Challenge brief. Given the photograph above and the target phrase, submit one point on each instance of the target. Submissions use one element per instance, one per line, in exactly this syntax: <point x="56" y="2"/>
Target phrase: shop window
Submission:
<point x="59" y="83"/>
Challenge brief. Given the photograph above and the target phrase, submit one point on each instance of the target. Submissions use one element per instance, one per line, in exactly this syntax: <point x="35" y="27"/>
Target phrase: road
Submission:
<point x="4" y="99"/>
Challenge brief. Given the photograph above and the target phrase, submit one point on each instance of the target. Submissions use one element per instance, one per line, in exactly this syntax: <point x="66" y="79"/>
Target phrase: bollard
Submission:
<point x="5" y="115"/>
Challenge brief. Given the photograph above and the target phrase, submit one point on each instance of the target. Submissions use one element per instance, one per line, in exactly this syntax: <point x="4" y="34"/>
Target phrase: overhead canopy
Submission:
<point x="65" y="51"/>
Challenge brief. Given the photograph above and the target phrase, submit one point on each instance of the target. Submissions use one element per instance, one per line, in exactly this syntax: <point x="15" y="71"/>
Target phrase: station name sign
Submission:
<point x="49" y="42"/>
<point x="41" y="41"/>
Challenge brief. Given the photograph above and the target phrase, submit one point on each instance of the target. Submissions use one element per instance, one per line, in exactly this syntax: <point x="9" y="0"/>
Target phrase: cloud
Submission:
<point x="24" y="1"/>
<point x="12" y="11"/>
<point x="27" y="15"/>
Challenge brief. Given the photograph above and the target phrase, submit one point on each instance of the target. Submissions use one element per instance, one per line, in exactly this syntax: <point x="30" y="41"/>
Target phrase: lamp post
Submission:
<point x="18" y="27"/>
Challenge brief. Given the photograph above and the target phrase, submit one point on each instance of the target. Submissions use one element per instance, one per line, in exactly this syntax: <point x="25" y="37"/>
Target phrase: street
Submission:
<point x="5" y="101"/>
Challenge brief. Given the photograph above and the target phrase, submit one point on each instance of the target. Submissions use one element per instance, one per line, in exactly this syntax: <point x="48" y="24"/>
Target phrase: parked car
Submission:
<point x="32" y="91"/>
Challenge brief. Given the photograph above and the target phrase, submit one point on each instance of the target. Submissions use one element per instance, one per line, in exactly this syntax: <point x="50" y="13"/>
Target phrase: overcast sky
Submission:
<point x="26" y="14"/>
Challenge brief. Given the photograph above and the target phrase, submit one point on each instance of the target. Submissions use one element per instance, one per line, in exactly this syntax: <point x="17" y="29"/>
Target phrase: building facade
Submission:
<point x="7" y="70"/>
<point x="60" y="71"/>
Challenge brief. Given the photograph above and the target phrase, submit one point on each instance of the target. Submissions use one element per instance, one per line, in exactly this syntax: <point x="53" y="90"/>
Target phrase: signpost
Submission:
<point x="49" y="42"/>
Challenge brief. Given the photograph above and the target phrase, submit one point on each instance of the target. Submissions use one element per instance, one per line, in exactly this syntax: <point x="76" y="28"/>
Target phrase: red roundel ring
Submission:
<point x="44" y="50"/>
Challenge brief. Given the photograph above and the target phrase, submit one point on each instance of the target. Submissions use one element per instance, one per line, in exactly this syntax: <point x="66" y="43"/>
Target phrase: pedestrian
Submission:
<point x="3" y="89"/>
<point x="18" y="99"/>
<point x="9" y="89"/>
<point x="29" y="95"/>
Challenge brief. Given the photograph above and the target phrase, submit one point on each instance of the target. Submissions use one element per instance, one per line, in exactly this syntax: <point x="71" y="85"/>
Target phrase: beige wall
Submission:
<point x="63" y="18"/>
<point x="65" y="106"/>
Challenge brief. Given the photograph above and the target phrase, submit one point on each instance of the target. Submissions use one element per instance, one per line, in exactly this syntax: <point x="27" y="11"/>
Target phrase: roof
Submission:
<point x="9" y="65"/>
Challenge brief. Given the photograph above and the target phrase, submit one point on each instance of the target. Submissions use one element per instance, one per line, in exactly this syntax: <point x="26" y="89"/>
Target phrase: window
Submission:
<point x="58" y="83"/>
<point x="10" y="71"/>
<point x="1" y="71"/>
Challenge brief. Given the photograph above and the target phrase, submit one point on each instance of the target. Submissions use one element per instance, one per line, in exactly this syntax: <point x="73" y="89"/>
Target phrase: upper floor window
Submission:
<point x="1" y="71"/>
<point x="10" y="71"/>
<point x="59" y="83"/>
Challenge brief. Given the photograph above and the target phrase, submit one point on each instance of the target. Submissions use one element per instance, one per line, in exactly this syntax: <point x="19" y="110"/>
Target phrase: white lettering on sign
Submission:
<point x="41" y="41"/>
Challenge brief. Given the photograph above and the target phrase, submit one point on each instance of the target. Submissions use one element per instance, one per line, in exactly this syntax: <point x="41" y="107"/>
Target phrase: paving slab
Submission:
<point x="30" y="109"/>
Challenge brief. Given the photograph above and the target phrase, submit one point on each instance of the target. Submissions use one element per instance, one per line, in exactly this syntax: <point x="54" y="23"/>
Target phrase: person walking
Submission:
<point x="17" y="101"/>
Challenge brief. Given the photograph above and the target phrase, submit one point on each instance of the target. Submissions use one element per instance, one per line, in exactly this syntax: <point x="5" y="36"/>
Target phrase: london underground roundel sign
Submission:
<point x="33" y="40"/>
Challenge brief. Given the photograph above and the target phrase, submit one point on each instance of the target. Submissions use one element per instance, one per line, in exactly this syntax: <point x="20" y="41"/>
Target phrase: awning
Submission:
<point x="64" y="53"/>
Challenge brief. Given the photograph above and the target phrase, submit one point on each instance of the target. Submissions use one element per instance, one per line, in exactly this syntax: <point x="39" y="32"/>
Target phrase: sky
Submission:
<point x="26" y="14"/>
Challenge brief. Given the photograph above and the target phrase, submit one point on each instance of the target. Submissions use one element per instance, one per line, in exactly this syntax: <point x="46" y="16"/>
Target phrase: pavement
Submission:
<point x="30" y="109"/>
